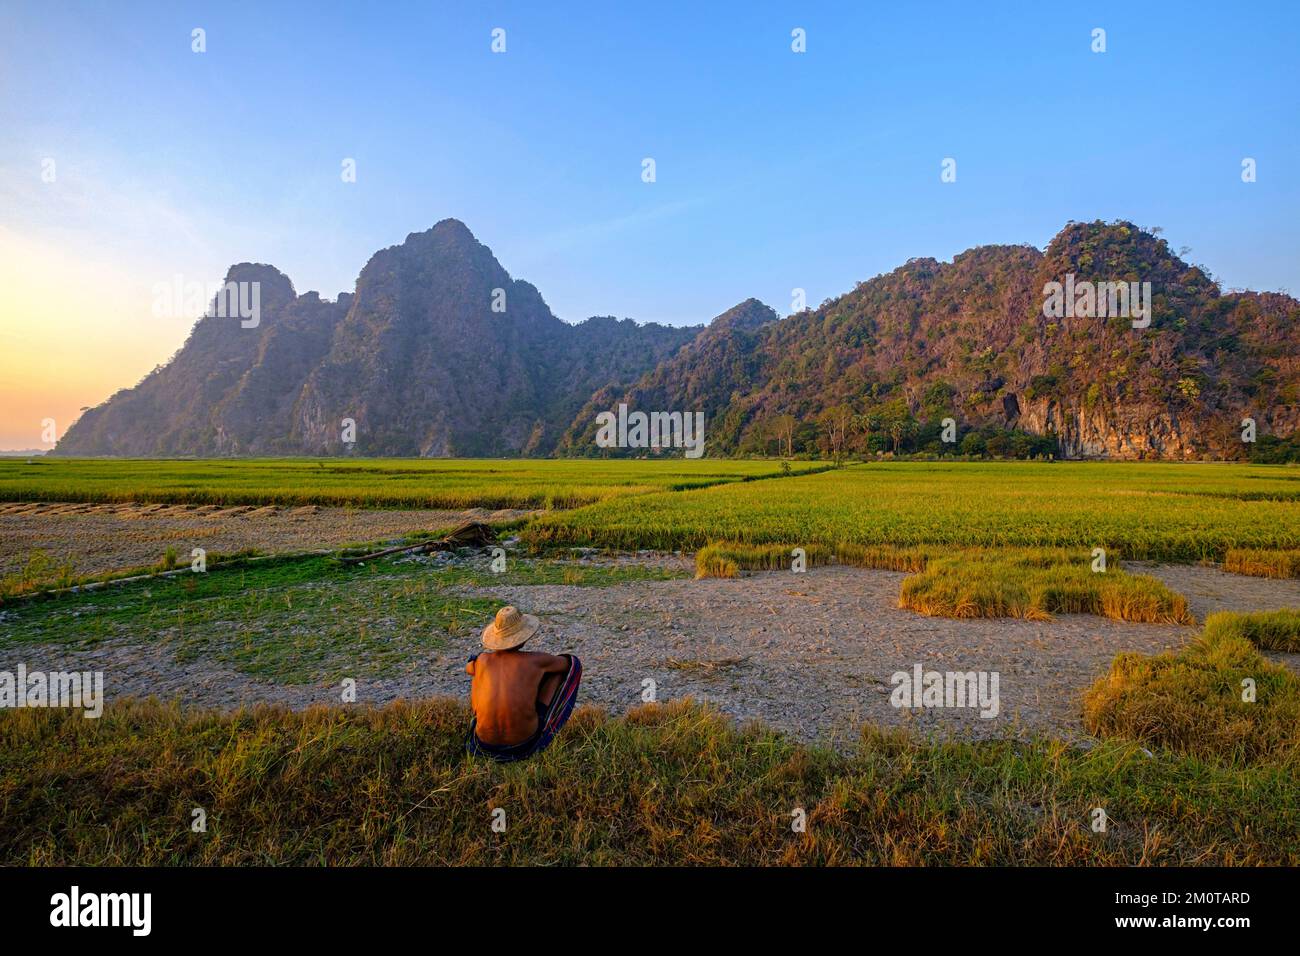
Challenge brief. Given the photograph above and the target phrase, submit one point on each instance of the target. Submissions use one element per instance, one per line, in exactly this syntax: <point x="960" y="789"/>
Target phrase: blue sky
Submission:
<point x="775" y="170"/>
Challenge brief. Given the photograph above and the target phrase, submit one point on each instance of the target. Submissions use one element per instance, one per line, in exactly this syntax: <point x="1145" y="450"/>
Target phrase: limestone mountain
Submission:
<point x="879" y="368"/>
<point x="712" y="374"/>
<point x="228" y="390"/>
<point x="437" y="352"/>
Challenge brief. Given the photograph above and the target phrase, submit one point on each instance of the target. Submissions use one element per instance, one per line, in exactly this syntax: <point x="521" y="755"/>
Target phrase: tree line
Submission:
<point x="889" y="429"/>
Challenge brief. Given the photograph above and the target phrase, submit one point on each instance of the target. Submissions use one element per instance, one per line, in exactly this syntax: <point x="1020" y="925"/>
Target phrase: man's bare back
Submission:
<point x="507" y="689"/>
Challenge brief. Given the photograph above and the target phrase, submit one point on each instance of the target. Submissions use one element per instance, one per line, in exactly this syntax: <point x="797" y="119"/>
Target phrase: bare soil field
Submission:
<point x="1208" y="589"/>
<point x="811" y="654"/>
<point x="99" y="538"/>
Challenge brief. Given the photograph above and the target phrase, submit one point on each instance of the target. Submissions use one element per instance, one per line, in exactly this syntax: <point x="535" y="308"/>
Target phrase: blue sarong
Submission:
<point x="550" y="718"/>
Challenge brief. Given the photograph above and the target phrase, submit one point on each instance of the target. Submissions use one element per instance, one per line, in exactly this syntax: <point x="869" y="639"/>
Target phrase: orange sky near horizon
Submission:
<point x="74" y="328"/>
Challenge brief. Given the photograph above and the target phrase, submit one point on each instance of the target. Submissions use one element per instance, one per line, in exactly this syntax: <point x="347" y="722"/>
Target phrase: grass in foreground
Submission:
<point x="674" y="784"/>
<point x="1191" y="701"/>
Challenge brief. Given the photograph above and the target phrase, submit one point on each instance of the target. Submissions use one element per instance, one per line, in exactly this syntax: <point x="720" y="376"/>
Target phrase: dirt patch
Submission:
<point x="97" y="538"/>
<point x="812" y="654"/>
<point x="1209" y="589"/>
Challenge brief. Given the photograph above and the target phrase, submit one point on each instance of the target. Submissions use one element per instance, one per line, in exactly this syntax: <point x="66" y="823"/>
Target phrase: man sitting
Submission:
<point x="521" y="699"/>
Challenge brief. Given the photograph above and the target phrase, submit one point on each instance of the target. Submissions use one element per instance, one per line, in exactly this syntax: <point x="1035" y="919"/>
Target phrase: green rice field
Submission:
<point x="368" y="482"/>
<point x="1164" y="511"/>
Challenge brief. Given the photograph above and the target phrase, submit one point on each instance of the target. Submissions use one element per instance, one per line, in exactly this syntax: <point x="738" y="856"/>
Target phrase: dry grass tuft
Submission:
<point x="726" y="559"/>
<point x="1034" y="584"/>
<point x="40" y="573"/>
<point x="1029" y="583"/>
<point x="1191" y="701"/>
<point x="707" y="666"/>
<point x="1267" y="630"/>
<point x="1263" y="563"/>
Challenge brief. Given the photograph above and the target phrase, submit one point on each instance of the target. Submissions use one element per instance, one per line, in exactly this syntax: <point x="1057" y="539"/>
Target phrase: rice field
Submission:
<point x="1179" y="759"/>
<point x="1159" y="511"/>
<point x="369" y="483"/>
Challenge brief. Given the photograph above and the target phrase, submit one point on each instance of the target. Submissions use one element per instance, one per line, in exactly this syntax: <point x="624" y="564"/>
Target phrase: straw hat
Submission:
<point x="510" y="629"/>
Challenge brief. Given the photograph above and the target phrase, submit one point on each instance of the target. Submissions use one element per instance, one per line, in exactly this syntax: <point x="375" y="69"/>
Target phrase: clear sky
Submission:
<point x="774" y="169"/>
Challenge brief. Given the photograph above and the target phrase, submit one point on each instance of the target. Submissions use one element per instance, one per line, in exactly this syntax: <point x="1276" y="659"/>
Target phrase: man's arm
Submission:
<point x="555" y="664"/>
<point x="550" y="663"/>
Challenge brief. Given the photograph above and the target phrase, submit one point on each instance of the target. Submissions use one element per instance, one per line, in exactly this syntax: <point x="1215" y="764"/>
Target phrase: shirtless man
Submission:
<point x="520" y="698"/>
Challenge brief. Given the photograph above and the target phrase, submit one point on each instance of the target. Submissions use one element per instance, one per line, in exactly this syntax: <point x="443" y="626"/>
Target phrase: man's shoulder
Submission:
<point x="536" y="657"/>
<point x="516" y="658"/>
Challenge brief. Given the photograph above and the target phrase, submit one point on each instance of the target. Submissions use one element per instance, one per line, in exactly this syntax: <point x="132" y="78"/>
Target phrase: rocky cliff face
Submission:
<point x="438" y="352"/>
<point x="1145" y="433"/>
<point x="1098" y="433"/>
<point x="229" y="390"/>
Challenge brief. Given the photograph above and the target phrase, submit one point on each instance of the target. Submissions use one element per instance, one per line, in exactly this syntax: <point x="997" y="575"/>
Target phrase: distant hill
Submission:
<point x="416" y="357"/>
<point x="419" y="358"/>
<point x="711" y="374"/>
<point x="879" y="368"/>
